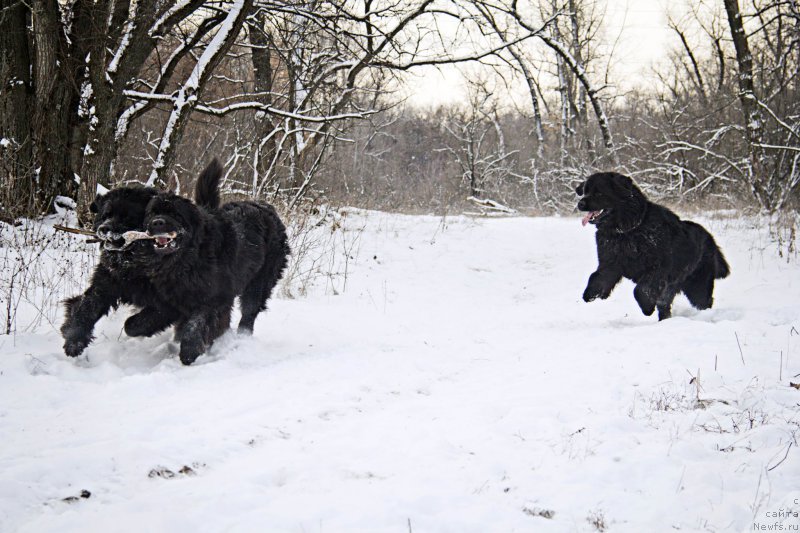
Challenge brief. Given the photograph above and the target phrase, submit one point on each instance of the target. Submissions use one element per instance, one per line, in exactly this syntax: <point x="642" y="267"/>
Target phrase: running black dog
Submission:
<point x="119" y="278"/>
<point x="648" y="244"/>
<point x="204" y="258"/>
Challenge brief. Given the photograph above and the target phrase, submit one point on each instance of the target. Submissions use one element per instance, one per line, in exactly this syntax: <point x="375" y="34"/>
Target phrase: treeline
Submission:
<point x="296" y="98"/>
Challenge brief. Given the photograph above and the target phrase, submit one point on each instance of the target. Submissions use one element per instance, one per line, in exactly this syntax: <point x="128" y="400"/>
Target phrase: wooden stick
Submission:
<point x="74" y="230"/>
<point x="129" y="236"/>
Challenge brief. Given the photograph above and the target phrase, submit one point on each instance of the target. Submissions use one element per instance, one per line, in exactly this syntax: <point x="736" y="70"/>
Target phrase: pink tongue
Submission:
<point x="586" y="218"/>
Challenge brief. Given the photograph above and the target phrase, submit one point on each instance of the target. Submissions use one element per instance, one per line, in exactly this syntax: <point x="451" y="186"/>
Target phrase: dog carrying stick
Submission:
<point x="129" y="236"/>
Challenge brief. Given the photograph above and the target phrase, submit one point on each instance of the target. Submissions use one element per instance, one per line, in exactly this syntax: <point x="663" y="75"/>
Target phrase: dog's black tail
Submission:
<point x="721" y="268"/>
<point x="206" y="191"/>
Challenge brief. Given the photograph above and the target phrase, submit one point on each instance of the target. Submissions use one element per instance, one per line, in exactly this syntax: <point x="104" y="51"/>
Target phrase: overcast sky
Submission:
<point x="644" y="38"/>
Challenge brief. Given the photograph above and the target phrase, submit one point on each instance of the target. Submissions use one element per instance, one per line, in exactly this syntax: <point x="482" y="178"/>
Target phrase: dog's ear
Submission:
<point x="634" y="203"/>
<point x="188" y="213"/>
<point x="579" y="188"/>
<point x="625" y="182"/>
<point x="98" y="202"/>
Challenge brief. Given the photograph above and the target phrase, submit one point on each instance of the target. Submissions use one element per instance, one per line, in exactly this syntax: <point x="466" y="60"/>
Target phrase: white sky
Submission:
<point x="644" y="39"/>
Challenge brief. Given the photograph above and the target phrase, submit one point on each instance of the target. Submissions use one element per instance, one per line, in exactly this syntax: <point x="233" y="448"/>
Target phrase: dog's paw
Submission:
<point x="190" y="351"/>
<point x="646" y="307"/>
<point x="188" y="358"/>
<point x="75" y="346"/>
<point x="593" y="293"/>
<point x="646" y="303"/>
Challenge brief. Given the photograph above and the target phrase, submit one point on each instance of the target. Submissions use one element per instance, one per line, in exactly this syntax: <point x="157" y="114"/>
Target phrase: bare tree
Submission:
<point x="754" y="120"/>
<point x="479" y="148"/>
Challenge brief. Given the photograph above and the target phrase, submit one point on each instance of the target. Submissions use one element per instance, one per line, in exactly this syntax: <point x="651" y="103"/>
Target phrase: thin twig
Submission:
<point x="741" y="353"/>
<point x="782" y="460"/>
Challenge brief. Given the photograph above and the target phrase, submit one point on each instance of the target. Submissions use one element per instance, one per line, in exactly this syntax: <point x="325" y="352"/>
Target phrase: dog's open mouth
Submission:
<point x="592" y="217"/>
<point x="164" y="241"/>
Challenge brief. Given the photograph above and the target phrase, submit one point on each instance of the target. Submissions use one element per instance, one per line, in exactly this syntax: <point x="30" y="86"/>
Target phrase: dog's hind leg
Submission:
<point x="200" y="331"/>
<point x="664" y="302"/>
<point x="699" y="288"/>
<point x="252" y="302"/>
<point x="254" y="298"/>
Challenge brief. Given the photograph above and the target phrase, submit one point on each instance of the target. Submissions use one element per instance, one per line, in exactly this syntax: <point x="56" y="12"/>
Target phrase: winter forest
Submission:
<point x="446" y="348"/>
<point x="304" y="102"/>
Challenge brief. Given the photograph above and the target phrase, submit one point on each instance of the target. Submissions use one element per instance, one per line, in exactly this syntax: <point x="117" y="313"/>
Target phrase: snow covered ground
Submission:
<point x="452" y="381"/>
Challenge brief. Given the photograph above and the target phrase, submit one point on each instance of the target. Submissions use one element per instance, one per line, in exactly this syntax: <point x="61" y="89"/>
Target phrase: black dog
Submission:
<point x="119" y="277"/>
<point x="648" y="244"/>
<point x="204" y="259"/>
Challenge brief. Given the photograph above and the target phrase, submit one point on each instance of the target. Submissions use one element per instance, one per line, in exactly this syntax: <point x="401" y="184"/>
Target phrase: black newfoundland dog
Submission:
<point x="204" y="258"/>
<point x="648" y="244"/>
<point x="120" y="278"/>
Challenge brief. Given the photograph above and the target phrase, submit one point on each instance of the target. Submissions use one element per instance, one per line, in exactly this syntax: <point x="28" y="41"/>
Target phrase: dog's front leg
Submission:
<point x="600" y="284"/>
<point x="193" y="335"/>
<point x="149" y="321"/>
<point x="82" y="313"/>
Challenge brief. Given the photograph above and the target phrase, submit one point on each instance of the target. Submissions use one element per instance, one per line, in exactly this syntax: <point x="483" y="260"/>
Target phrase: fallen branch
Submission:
<point x="491" y="205"/>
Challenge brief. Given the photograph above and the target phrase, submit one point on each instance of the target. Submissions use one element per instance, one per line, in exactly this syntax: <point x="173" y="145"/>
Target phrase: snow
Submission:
<point x="175" y="8"/>
<point x="440" y="374"/>
<point x="65" y="203"/>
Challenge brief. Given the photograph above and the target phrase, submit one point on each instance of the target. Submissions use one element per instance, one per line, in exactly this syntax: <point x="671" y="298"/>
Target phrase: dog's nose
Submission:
<point x="157" y="225"/>
<point x="582" y="204"/>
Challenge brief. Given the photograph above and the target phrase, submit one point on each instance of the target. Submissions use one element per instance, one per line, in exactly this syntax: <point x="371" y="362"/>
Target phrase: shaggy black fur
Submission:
<point x="119" y="278"/>
<point x="648" y="244"/>
<point x="239" y="249"/>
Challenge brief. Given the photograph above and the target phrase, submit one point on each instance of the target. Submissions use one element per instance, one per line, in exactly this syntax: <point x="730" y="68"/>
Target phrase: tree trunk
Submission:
<point x="580" y="98"/>
<point x="563" y="89"/>
<point x="263" y="147"/>
<point x="754" y="122"/>
<point x="54" y="94"/>
<point x="16" y="154"/>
